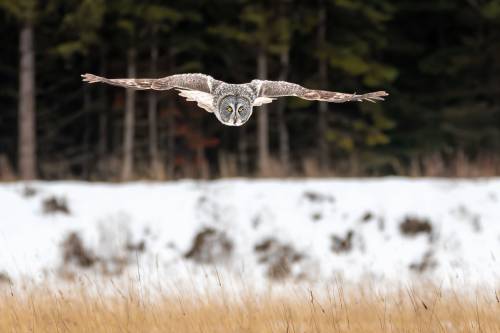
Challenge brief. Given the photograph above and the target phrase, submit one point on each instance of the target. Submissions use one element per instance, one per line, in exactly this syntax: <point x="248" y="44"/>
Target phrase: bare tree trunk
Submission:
<point x="262" y="118"/>
<point x="6" y="171"/>
<point x="283" y="132"/>
<point x="103" y="129"/>
<point x="171" y="126"/>
<point x="26" y="120"/>
<point x="87" y="154"/>
<point x="203" y="171"/>
<point x="152" y="113"/>
<point x="171" y="139"/>
<point x="103" y="114"/>
<point x="129" y="123"/>
<point x="323" y="153"/>
<point x="202" y="167"/>
<point x="242" y="151"/>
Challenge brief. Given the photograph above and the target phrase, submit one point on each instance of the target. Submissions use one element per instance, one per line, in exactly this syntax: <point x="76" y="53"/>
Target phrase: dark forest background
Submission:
<point x="439" y="60"/>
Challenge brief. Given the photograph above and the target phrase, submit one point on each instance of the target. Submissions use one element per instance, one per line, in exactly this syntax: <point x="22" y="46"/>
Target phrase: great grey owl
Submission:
<point x="232" y="104"/>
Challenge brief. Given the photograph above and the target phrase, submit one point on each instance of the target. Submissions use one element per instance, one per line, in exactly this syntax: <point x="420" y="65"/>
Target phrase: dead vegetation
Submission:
<point x="75" y="252"/>
<point x="113" y="253"/>
<point x="367" y="217"/>
<point x="5" y="278"/>
<point x="342" y="244"/>
<point x="428" y="262"/>
<point x="412" y="226"/>
<point x="318" y="197"/>
<point x="29" y="191"/>
<point x="279" y="258"/>
<point x="210" y="246"/>
<point x="54" y="205"/>
<point x="330" y="309"/>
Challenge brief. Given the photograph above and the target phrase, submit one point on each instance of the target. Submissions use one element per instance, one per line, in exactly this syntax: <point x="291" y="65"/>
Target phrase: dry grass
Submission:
<point x="434" y="164"/>
<point x="299" y="310"/>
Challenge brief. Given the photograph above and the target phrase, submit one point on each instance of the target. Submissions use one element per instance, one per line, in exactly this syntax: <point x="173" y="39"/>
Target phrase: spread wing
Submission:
<point x="270" y="89"/>
<point x="200" y="82"/>
<point x="194" y="87"/>
<point x="204" y="100"/>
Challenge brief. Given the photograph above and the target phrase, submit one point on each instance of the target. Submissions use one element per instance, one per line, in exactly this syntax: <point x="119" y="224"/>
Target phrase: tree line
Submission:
<point x="439" y="60"/>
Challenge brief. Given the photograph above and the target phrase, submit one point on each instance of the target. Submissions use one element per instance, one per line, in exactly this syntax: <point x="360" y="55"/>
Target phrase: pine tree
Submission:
<point x="285" y="28"/>
<point x="158" y="21"/>
<point x="128" y="24"/>
<point x="323" y="154"/>
<point x="352" y="51"/>
<point x="79" y="36"/>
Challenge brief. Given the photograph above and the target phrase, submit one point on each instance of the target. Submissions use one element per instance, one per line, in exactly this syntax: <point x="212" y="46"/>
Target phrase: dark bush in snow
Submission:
<point x="210" y="246"/>
<point x="29" y="192"/>
<point x="340" y="244"/>
<point x="412" y="226"/>
<point x="55" y="205"/>
<point x="427" y="263"/>
<point x="5" y="278"/>
<point x="318" y="197"/>
<point x="278" y="257"/>
<point x="74" y="252"/>
<point x="367" y="217"/>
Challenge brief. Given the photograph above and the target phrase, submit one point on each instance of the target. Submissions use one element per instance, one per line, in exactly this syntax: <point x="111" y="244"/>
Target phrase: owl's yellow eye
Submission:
<point x="240" y="109"/>
<point x="229" y="109"/>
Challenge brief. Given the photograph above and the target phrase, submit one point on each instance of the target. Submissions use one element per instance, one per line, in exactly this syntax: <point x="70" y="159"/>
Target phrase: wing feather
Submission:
<point x="282" y="88"/>
<point x="203" y="99"/>
<point x="262" y="100"/>
<point x="195" y="81"/>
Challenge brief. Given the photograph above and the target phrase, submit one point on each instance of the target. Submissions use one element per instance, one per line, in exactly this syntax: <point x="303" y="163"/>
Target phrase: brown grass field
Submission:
<point x="298" y="309"/>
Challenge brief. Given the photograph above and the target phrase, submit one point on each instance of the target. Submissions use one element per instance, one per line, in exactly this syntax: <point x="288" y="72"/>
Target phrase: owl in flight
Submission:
<point x="233" y="104"/>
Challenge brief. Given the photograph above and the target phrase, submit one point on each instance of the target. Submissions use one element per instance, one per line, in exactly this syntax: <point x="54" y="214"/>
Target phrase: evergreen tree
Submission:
<point x="353" y="51"/>
<point x="260" y="30"/>
<point x="158" y="21"/>
<point x="443" y="107"/>
<point x="128" y="25"/>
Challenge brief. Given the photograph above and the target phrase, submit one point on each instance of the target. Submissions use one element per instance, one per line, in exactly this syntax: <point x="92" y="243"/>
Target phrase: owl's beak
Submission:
<point x="235" y="114"/>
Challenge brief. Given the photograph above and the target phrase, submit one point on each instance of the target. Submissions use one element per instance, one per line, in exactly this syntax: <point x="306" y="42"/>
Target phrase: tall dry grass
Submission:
<point x="436" y="164"/>
<point x="294" y="310"/>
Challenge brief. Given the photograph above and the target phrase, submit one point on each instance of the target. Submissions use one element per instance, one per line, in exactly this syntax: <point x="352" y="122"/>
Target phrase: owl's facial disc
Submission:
<point x="234" y="111"/>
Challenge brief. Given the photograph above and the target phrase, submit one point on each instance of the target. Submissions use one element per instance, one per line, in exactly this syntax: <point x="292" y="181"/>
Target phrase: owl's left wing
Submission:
<point x="270" y="89"/>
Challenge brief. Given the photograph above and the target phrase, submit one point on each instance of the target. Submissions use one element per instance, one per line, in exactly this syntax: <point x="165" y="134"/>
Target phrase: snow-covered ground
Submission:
<point x="388" y="229"/>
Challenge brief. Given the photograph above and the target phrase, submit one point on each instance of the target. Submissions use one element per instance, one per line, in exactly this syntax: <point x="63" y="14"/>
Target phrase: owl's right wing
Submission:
<point x="203" y="99"/>
<point x="194" y="87"/>
<point x="199" y="82"/>
<point x="270" y="89"/>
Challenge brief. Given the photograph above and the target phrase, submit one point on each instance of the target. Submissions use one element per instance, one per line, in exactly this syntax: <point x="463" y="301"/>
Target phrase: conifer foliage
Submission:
<point x="438" y="60"/>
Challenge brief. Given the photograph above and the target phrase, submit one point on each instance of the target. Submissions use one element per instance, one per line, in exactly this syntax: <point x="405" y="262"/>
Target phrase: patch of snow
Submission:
<point x="361" y="216"/>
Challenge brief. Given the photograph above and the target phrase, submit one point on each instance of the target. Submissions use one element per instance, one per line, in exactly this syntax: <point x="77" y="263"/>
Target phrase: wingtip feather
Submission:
<point x="375" y="96"/>
<point x="90" y="78"/>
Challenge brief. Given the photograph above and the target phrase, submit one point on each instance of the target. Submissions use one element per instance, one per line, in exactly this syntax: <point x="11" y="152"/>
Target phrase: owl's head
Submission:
<point x="234" y="110"/>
